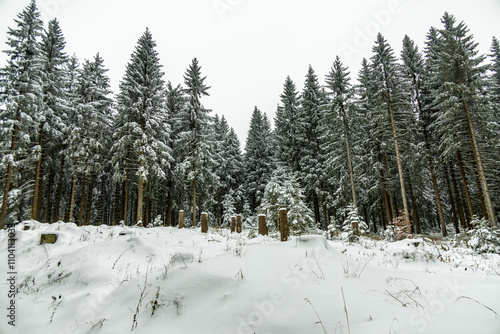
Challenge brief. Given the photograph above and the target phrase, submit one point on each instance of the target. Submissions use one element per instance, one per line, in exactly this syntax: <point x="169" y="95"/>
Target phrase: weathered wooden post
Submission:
<point x="233" y="223"/>
<point x="204" y="222"/>
<point x="262" y="225"/>
<point x="238" y="223"/>
<point x="181" y="219"/>
<point x="284" y="230"/>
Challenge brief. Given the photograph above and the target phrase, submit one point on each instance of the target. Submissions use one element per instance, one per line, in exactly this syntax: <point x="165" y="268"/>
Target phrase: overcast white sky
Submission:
<point x="247" y="47"/>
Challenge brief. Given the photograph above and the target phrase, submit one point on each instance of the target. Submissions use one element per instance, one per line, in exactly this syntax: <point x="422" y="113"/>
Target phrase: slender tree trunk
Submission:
<point x="413" y="207"/>
<point x="116" y="206"/>
<point x="466" y="186"/>
<point x="73" y="190"/>
<point x="479" y="166"/>
<point x="317" y="216"/>
<point x="140" y="190"/>
<point x="349" y="160"/>
<point x="125" y="194"/>
<point x="57" y="216"/>
<point x="457" y="197"/>
<point x="394" y="211"/>
<point x="452" y="201"/>
<point x="148" y="210"/>
<point x="168" y="219"/>
<point x="48" y="206"/>
<point x="325" y="215"/>
<point x="480" y="195"/>
<point x="194" y="202"/>
<point x="386" y="200"/>
<point x="82" y="200"/>
<point x="38" y="177"/>
<point x="89" y="200"/>
<point x="374" y="221"/>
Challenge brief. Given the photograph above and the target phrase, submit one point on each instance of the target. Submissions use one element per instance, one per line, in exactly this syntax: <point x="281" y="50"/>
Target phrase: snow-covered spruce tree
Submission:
<point x="353" y="224"/>
<point x="288" y="128"/>
<point x="413" y="71"/>
<point x="387" y="76"/>
<point x="20" y="91"/>
<point x="312" y="157"/>
<point x="175" y="101"/>
<point x="283" y="191"/>
<point x="338" y="127"/>
<point x="459" y="98"/>
<point x="197" y="141"/>
<point x="90" y="129"/>
<point x="257" y="158"/>
<point x="145" y="131"/>
<point x="54" y="108"/>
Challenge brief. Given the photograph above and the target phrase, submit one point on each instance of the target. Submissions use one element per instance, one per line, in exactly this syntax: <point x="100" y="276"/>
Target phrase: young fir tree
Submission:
<point x="459" y="97"/>
<point x="20" y="91"/>
<point x="54" y="106"/>
<point x="288" y="128"/>
<point x="145" y="131"/>
<point x="197" y="139"/>
<point x="312" y="157"/>
<point x="257" y="158"/>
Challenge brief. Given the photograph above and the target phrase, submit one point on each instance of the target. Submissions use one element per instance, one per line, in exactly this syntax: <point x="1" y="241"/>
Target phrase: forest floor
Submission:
<point x="166" y="280"/>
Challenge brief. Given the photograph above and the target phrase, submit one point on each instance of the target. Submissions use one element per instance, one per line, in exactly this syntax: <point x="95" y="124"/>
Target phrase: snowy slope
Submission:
<point x="92" y="278"/>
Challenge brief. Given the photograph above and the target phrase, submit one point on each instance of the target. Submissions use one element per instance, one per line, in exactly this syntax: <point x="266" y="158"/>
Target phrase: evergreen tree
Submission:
<point x="52" y="113"/>
<point x="288" y="126"/>
<point x="459" y="98"/>
<point x="257" y="158"/>
<point x="20" y="93"/>
<point x="197" y="139"/>
<point x="145" y="130"/>
<point x="312" y="156"/>
<point x="390" y="95"/>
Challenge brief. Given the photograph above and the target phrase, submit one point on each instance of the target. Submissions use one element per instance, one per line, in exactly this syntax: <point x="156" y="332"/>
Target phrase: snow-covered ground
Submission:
<point x="168" y="280"/>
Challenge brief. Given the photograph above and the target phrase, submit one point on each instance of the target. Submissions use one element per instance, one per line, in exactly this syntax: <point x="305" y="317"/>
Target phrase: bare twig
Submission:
<point x="141" y="296"/>
<point x="346" y="314"/>
<point x="319" y="319"/>
<point x="489" y="308"/>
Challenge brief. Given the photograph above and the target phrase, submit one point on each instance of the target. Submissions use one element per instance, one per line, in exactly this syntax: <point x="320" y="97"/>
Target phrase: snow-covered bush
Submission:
<point x="483" y="238"/>
<point x="353" y="225"/>
<point x="156" y="222"/>
<point x="284" y="191"/>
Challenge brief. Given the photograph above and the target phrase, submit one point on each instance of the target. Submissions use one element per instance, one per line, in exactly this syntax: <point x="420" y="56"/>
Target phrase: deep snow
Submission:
<point x="92" y="278"/>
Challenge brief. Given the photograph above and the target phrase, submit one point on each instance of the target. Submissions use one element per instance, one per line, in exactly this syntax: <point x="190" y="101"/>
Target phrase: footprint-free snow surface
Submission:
<point x="167" y="280"/>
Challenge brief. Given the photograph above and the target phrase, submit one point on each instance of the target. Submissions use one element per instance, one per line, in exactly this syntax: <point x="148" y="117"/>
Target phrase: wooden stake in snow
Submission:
<point x="262" y="225"/>
<point x="238" y="223"/>
<point x="284" y="230"/>
<point x="204" y="222"/>
<point x="233" y="223"/>
<point x="181" y="219"/>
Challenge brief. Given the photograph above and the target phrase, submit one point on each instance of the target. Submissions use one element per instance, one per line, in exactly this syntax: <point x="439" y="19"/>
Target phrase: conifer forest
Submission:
<point x="411" y="139"/>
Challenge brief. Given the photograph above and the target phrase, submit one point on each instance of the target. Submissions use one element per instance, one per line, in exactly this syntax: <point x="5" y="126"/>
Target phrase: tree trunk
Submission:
<point x="386" y="200"/>
<point x="284" y="230"/>
<point x="89" y="200"/>
<point x="57" y="216"/>
<point x="194" y="202"/>
<point x="140" y="193"/>
<point x="262" y="225"/>
<point x="168" y="219"/>
<point x="452" y="201"/>
<point x="398" y="159"/>
<point x="394" y="211"/>
<point x="325" y="215"/>
<point x="82" y="200"/>
<point x="8" y="174"/>
<point x="73" y="190"/>
<point x="125" y="194"/>
<point x="457" y="197"/>
<point x="204" y="222"/>
<point x="148" y="210"/>
<point x="480" y="169"/>
<point x="413" y="207"/>
<point x="38" y="176"/>
<point x="48" y="206"/>
<point x="466" y="186"/>
<point x="317" y="216"/>
<point x="181" y="218"/>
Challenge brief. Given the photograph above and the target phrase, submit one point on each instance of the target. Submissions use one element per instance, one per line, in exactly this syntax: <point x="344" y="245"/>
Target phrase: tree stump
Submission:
<point x="181" y="219"/>
<point x="238" y="224"/>
<point x="204" y="222"/>
<point x="49" y="238"/>
<point x="284" y="230"/>
<point x="233" y="224"/>
<point x="262" y="225"/>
